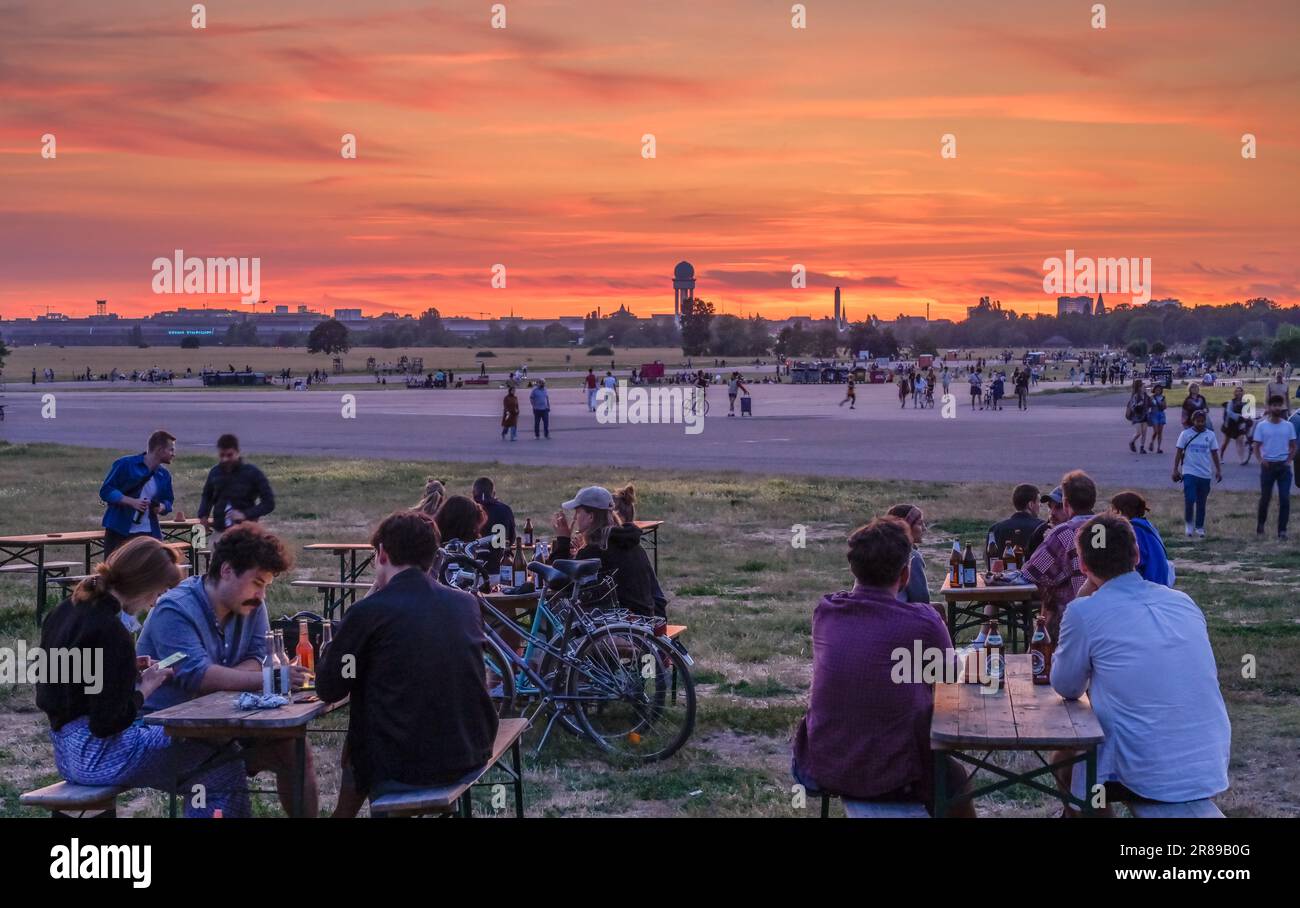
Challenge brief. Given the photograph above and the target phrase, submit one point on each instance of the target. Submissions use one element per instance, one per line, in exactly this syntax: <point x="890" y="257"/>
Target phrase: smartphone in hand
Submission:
<point x="172" y="660"/>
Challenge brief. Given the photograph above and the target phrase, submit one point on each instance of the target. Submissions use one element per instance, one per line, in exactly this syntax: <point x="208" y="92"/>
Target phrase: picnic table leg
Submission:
<point x="1091" y="778"/>
<point x="952" y="621"/>
<point x="40" y="584"/>
<point x="299" y="775"/>
<point x="940" y="784"/>
<point x="654" y="545"/>
<point x="517" y="764"/>
<point x="87" y="557"/>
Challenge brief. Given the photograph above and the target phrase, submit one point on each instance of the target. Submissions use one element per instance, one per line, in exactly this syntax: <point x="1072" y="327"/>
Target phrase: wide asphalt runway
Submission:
<point x="796" y="430"/>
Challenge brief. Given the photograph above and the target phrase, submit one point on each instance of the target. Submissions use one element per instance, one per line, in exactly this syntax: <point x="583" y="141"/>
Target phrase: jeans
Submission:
<point x="542" y="423"/>
<point x="1196" y="490"/>
<point x="513" y="430"/>
<point x="1269" y="473"/>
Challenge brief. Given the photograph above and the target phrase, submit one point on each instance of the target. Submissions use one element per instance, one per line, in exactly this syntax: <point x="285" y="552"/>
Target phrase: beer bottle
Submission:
<point x="528" y="532"/>
<point x="326" y="637"/>
<point x="306" y="655"/>
<point x="954" y="566"/>
<point x="283" y="671"/>
<point x="968" y="567"/>
<point x="993" y="654"/>
<point x="1009" y="555"/>
<point x="1020" y="557"/>
<point x="268" y="667"/>
<point x="507" y="570"/>
<point x="1040" y="651"/>
<point x="520" y="566"/>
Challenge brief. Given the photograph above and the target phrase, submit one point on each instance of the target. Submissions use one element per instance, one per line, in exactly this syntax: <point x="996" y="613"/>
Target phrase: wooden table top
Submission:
<point x="339" y="547"/>
<point x="648" y="524"/>
<point x="983" y="592"/>
<point x="217" y="712"/>
<point x="79" y="537"/>
<point x="171" y="523"/>
<point x="1021" y="716"/>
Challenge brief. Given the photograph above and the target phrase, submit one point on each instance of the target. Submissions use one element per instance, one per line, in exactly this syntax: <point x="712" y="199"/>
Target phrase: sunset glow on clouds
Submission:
<point x="522" y="146"/>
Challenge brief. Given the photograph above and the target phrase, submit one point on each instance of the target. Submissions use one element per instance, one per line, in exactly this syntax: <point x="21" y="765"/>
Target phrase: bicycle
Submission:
<point x="603" y="675"/>
<point x="697" y="404"/>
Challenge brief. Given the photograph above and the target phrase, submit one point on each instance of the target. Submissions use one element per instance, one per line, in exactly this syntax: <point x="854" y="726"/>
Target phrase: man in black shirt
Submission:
<point x="1023" y="527"/>
<point x="499" y="514"/>
<point x="410" y="655"/>
<point x="235" y="491"/>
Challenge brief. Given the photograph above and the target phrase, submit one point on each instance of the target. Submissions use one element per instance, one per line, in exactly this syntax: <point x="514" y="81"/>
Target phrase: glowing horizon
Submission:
<point x="522" y="146"/>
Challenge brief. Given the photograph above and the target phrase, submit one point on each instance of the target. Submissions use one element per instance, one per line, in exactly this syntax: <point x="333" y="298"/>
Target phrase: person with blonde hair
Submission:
<point x="434" y="494"/>
<point x="93" y="727"/>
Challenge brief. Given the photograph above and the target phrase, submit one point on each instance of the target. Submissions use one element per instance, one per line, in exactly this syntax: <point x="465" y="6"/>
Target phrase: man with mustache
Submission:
<point x="220" y="622"/>
<point x="235" y="491"/>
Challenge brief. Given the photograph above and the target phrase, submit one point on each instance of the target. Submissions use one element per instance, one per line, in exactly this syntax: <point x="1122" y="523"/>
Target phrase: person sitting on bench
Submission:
<point x="1142" y="652"/>
<point x="410" y="656"/>
<point x="866" y="736"/>
<point x="599" y="534"/>
<point x="220" y="622"/>
<point x="93" y="727"/>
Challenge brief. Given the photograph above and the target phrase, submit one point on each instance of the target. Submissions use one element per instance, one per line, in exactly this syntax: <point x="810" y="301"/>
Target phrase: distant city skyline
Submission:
<point x="774" y="148"/>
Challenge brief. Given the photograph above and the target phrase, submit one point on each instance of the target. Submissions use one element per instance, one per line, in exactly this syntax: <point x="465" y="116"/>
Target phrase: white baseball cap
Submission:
<point x="595" y="497"/>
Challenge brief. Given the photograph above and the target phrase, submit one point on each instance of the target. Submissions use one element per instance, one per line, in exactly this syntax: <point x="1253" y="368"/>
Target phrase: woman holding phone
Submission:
<point x="95" y="718"/>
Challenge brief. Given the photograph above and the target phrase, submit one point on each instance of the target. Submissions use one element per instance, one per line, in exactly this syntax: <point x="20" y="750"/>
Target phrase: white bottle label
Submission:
<point x="507" y="575"/>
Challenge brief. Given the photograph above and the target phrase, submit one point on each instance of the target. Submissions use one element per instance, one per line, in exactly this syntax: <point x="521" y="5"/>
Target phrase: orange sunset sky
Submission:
<point x="522" y="146"/>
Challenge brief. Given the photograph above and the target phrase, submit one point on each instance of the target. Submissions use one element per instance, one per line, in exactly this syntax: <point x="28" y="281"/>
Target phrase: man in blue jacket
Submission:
<point x="137" y="490"/>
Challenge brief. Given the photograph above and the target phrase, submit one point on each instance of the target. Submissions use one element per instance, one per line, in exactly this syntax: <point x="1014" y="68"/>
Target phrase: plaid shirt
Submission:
<point x="1054" y="566"/>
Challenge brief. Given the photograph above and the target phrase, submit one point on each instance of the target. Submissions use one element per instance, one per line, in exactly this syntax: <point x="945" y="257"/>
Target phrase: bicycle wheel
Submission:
<point x="499" y="676"/>
<point x="635" y="694"/>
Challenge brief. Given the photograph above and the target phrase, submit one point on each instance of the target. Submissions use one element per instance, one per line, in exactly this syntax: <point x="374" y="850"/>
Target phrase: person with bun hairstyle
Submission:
<point x="94" y="725"/>
<point x="599" y="534"/>
<point x="625" y="510"/>
<point x="434" y="494"/>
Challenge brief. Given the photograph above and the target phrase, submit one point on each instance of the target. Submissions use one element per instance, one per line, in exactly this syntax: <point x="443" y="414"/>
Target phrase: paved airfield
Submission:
<point x="797" y="429"/>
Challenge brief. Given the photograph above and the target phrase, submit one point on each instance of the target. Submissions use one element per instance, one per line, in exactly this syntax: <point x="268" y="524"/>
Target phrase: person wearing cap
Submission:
<point x="618" y="547"/>
<point x="1024" y="527"/>
<point x="541" y="403"/>
<point x="1153" y="559"/>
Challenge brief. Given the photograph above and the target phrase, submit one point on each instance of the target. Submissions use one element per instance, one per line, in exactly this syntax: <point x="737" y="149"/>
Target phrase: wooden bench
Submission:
<point x="455" y="797"/>
<point x="51" y="567"/>
<point x="1204" y="809"/>
<point x="675" y="630"/>
<point x="64" y="799"/>
<point x="332" y="591"/>
<point x="876" y="810"/>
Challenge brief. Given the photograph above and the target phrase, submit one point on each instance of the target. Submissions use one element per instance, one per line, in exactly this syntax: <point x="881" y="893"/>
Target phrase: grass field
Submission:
<point x="69" y="361"/>
<point x="732" y="575"/>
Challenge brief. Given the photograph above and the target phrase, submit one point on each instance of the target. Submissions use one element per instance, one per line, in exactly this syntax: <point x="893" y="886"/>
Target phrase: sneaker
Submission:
<point x="1189" y="530"/>
<point x="1259" y="530"/>
<point x="1281" y="537"/>
<point x="1132" y="446"/>
<point x="1200" y="531"/>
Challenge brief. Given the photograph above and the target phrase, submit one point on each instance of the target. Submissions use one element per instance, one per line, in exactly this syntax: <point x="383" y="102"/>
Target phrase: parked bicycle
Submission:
<point x="601" y="672"/>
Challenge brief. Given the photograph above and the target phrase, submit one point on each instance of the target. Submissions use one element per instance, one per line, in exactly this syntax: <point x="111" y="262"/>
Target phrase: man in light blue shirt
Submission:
<point x="541" y="402"/>
<point x="1142" y="653"/>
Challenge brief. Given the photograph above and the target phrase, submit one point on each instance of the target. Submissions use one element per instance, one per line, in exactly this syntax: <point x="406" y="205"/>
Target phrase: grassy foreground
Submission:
<point x="733" y="576"/>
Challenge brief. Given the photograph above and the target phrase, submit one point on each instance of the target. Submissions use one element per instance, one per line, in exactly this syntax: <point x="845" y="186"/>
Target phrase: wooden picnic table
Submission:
<point x="30" y="550"/>
<point x="651" y="528"/>
<point x="215" y="718"/>
<point x="350" y="570"/>
<point x="969" y="721"/>
<point x="965" y="607"/>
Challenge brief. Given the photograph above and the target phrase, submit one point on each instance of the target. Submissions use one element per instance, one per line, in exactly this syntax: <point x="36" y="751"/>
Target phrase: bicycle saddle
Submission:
<point x="565" y="570"/>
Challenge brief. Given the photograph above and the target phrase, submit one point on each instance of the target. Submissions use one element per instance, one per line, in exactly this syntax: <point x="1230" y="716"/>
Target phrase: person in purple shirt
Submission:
<point x="865" y="736"/>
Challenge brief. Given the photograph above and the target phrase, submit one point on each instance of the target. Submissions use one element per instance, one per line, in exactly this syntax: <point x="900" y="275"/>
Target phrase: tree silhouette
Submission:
<point x="330" y="336"/>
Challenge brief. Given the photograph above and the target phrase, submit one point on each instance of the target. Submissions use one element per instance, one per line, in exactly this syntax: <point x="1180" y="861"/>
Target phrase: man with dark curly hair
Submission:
<point x="219" y="621"/>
